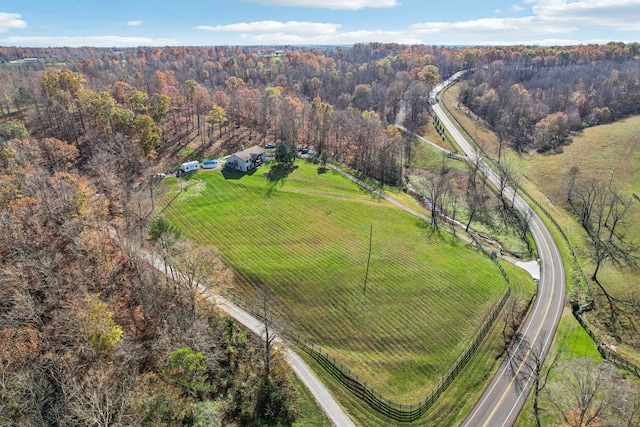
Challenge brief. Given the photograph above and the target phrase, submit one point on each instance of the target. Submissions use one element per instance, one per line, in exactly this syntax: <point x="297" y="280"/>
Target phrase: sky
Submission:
<point x="130" y="23"/>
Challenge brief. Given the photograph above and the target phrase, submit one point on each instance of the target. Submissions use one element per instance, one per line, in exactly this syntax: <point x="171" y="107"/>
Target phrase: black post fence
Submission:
<point x="360" y="388"/>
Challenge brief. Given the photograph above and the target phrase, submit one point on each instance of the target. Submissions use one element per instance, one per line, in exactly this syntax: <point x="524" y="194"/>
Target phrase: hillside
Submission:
<point x="305" y="240"/>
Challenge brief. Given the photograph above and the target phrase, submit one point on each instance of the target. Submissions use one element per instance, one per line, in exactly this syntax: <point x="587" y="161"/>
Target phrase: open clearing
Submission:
<point x="306" y="239"/>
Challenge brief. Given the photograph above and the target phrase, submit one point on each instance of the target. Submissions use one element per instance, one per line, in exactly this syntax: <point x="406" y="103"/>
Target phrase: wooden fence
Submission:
<point x="360" y="388"/>
<point x="606" y="352"/>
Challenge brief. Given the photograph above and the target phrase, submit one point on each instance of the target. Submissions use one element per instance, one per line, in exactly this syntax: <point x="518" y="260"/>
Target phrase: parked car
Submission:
<point x="270" y="145"/>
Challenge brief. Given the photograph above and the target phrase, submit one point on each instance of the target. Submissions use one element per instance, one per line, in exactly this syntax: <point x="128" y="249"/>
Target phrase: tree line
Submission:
<point x="323" y="98"/>
<point x="90" y="334"/>
<point x="83" y="134"/>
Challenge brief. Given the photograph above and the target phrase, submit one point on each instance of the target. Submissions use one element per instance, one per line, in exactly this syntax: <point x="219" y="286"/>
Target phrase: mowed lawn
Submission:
<point x="306" y="239"/>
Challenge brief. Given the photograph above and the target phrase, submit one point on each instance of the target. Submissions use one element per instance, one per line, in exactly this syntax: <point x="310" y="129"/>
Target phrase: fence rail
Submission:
<point x="607" y="353"/>
<point x="360" y="388"/>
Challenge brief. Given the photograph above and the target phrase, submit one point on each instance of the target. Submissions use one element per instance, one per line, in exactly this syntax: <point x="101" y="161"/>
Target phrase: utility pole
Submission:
<point x="366" y="273"/>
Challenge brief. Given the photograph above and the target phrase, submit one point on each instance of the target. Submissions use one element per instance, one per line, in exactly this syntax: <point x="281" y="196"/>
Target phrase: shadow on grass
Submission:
<point x="235" y="174"/>
<point x="322" y="170"/>
<point x="435" y="234"/>
<point x="277" y="176"/>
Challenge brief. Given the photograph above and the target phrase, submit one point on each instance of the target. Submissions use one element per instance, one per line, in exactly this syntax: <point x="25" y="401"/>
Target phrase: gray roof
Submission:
<point x="251" y="152"/>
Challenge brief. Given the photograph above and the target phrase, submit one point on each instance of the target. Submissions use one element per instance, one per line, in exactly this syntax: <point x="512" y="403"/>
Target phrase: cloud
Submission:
<point x="295" y="32"/>
<point x="94" y="41"/>
<point x="134" y="23"/>
<point x="11" y="20"/>
<point x="528" y="25"/>
<point x="331" y="4"/>
<point x="618" y="15"/>
<point x="275" y="27"/>
<point x="550" y="22"/>
<point x="549" y="17"/>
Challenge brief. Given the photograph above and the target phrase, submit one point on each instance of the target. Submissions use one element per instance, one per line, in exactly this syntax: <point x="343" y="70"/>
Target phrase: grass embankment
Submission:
<point x="460" y="397"/>
<point x="601" y="152"/>
<point x="306" y="239"/>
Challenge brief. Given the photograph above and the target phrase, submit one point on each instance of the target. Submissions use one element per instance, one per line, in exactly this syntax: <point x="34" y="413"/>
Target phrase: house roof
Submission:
<point x="250" y="152"/>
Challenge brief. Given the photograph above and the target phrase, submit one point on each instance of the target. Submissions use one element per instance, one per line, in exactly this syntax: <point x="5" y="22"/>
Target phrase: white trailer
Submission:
<point x="188" y="167"/>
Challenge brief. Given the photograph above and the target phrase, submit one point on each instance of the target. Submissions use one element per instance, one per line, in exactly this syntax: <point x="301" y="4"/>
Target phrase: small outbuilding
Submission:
<point x="188" y="167"/>
<point x="246" y="160"/>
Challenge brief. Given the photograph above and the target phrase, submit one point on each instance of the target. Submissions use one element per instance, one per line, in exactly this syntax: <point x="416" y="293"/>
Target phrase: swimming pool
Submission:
<point x="209" y="164"/>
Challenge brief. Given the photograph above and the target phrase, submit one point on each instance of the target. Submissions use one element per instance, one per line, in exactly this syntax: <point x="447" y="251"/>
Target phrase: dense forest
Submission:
<point x="91" y="335"/>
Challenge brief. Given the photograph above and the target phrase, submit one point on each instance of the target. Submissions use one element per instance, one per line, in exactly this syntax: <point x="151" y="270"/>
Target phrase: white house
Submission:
<point x="246" y="160"/>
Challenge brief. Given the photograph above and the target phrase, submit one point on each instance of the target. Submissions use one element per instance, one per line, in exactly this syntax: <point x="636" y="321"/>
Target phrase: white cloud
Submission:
<point x="134" y="23"/>
<point x="94" y="41"/>
<point x="295" y="32"/>
<point x="497" y="11"/>
<point x="488" y="26"/>
<point x="601" y="14"/>
<point x="275" y="27"/>
<point x="331" y="4"/>
<point x="549" y="17"/>
<point x="11" y="20"/>
<point x="517" y="8"/>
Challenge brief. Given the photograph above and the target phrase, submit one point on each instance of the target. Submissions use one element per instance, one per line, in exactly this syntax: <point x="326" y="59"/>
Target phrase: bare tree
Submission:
<point x="196" y="270"/>
<point x="270" y="325"/>
<point x="585" y="393"/>
<point x="603" y="212"/>
<point x="527" y="366"/>
<point x="98" y="398"/>
<point x="606" y="231"/>
<point x="477" y="191"/>
<point x="437" y="192"/>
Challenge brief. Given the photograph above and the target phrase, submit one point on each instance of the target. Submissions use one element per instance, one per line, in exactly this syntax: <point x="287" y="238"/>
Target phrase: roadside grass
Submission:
<point x="306" y="239"/>
<point x="573" y="340"/>
<point x="425" y="156"/>
<point x="308" y="411"/>
<point x="599" y="152"/>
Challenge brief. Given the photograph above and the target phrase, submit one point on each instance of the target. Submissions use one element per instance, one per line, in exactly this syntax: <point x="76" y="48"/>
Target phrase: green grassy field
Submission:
<point x="307" y="239"/>
<point x="459" y="398"/>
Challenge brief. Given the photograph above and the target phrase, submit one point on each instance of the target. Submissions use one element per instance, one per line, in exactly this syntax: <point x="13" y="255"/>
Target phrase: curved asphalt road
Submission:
<point x="502" y="401"/>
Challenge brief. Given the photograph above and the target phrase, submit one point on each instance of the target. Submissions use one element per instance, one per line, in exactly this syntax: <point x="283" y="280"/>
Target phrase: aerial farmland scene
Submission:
<point x="320" y="213"/>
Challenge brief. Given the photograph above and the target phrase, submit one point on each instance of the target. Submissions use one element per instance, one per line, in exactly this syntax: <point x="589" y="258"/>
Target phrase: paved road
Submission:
<point x="302" y="370"/>
<point x="502" y="401"/>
